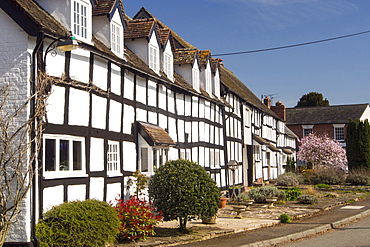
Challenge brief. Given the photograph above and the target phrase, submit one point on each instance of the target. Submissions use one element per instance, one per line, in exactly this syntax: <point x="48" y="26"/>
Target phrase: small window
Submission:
<point x="80" y="19"/>
<point x="168" y="65"/>
<point x="195" y="78"/>
<point x="116" y="43"/>
<point x="113" y="163"/>
<point x="63" y="155"/>
<point x="339" y="134"/>
<point x="306" y="132"/>
<point x="153" y="58"/>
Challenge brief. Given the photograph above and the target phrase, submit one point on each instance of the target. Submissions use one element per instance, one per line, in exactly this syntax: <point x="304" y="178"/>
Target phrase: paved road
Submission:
<point x="353" y="235"/>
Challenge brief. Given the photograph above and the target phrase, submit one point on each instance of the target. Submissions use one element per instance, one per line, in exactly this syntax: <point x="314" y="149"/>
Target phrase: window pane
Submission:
<point x="77" y="156"/>
<point x="49" y="155"/>
<point x="144" y="159"/>
<point x="64" y="155"/>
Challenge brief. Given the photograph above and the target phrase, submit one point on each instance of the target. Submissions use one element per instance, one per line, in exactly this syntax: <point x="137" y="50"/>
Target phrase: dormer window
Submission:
<point x="195" y="77"/>
<point x="154" y="58"/>
<point x="116" y="40"/>
<point x="168" y="65"/>
<point x="208" y="80"/>
<point x="81" y="19"/>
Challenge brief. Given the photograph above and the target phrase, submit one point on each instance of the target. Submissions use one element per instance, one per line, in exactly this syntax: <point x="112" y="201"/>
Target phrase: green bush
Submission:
<point x="292" y="193"/>
<point x="359" y="176"/>
<point x="323" y="186"/>
<point x="328" y="176"/>
<point x="261" y="193"/>
<point x="287" y="179"/>
<point x="307" y="199"/>
<point x="182" y="189"/>
<point x="78" y="223"/>
<point x="284" y="218"/>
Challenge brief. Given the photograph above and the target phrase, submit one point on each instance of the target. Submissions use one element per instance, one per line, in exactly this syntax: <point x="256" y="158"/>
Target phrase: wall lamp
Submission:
<point x="68" y="45"/>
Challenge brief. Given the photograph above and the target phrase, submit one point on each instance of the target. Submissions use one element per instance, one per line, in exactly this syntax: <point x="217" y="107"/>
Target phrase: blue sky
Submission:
<point x="339" y="69"/>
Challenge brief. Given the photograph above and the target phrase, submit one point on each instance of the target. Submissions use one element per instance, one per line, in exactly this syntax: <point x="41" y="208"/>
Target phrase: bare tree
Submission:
<point x="21" y="128"/>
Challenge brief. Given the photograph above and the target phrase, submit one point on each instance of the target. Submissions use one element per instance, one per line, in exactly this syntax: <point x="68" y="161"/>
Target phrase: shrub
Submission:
<point x="284" y="218"/>
<point x="307" y="199"/>
<point x="359" y="176"/>
<point x="261" y="193"/>
<point x="322" y="186"/>
<point x="182" y="189"/>
<point x="137" y="217"/>
<point x="292" y="193"/>
<point x="78" y="223"/>
<point x="288" y="179"/>
<point x="328" y="176"/>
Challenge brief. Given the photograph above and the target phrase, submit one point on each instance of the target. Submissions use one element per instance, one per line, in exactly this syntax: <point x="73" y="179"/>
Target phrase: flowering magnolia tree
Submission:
<point x="320" y="150"/>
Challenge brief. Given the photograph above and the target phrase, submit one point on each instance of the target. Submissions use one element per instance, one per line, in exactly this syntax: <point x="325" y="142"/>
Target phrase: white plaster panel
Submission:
<point x="162" y="97"/>
<point x="152" y="118"/>
<point x="162" y="121"/>
<point x="113" y="192"/>
<point x="128" y="118"/>
<point x="195" y="132"/>
<point x="195" y="107"/>
<point x="115" y="112"/>
<point x="128" y="88"/>
<point x="206" y="132"/>
<point x="181" y="128"/>
<point x="173" y="154"/>
<point x="201" y="108"/>
<point x="202" y="157"/>
<point x="99" y="111"/>
<point x="207" y="157"/>
<point x="172" y="131"/>
<point x="152" y="93"/>
<point x="207" y="110"/>
<point x="180" y="105"/>
<point x="96" y="154"/>
<point x="55" y="64"/>
<point x="100" y="73"/>
<point x="188" y="129"/>
<point x="187" y="105"/>
<point x="80" y="66"/>
<point x="115" y="79"/>
<point x="141" y="90"/>
<point x="78" y="107"/>
<point x="141" y="115"/>
<point x="55" y="105"/>
<point x="129" y="156"/>
<point x="194" y="154"/>
<point x="97" y="188"/>
<point x="171" y="101"/>
<point x="53" y="196"/>
<point x="76" y="192"/>
<point x="202" y="131"/>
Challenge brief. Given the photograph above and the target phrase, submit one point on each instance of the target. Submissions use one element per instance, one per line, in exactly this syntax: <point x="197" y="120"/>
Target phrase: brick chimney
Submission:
<point x="267" y="102"/>
<point x="280" y="110"/>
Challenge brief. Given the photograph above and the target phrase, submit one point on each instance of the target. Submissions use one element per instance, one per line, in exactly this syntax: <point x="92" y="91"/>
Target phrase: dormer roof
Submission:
<point x="204" y="57"/>
<point x="215" y="64"/>
<point x="185" y="56"/>
<point x="164" y="35"/>
<point x="108" y="7"/>
<point x="141" y="28"/>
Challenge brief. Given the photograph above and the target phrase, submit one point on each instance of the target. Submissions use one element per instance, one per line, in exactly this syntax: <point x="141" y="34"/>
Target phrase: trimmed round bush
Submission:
<point x="292" y="193"/>
<point x="287" y="179"/>
<point x="79" y="223"/>
<point x="261" y="193"/>
<point x="284" y="218"/>
<point x="328" y="176"/>
<point x="182" y="189"/>
<point x="307" y="199"/>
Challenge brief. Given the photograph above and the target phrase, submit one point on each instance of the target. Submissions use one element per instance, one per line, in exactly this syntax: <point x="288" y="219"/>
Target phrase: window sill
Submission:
<point x="114" y="174"/>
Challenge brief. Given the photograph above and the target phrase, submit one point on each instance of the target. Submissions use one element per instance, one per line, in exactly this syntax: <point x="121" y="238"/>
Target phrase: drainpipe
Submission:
<point x="35" y="179"/>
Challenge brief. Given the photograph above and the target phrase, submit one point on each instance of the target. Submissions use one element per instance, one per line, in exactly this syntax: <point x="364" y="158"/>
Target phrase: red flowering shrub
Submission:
<point x="138" y="219"/>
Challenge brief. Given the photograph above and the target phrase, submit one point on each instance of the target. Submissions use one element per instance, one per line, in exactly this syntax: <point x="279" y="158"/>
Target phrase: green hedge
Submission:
<point x="79" y="223"/>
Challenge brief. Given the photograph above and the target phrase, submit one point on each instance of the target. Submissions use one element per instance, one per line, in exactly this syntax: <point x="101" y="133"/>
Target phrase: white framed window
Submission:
<point x="208" y="81"/>
<point x="195" y="78"/>
<point x="338" y="132"/>
<point x="116" y="39"/>
<point x="80" y="18"/>
<point x="113" y="160"/>
<point x="307" y="129"/>
<point x="152" y="158"/>
<point x="63" y="156"/>
<point x="168" y="65"/>
<point x="153" y="57"/>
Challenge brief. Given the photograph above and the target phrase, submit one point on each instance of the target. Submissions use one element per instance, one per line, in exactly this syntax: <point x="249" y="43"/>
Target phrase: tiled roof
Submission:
<point x="204" y="57"/>
<point x="103" y="7"/>
<point x="140" y="28"/>
<point x="155" y="136"/>
<point x="164" y="34"/>
<point x="185" y="56"/>
<point x="33" y="18"/>
<point x="339" y="114"/>
<point x="237" y="87"/>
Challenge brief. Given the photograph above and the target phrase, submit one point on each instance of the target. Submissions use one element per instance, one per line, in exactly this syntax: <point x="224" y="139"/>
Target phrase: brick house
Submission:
<point x="330" y="120"/>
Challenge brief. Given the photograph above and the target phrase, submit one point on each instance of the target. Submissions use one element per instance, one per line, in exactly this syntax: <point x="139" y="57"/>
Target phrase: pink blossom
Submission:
<point x="320" y="150"/>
